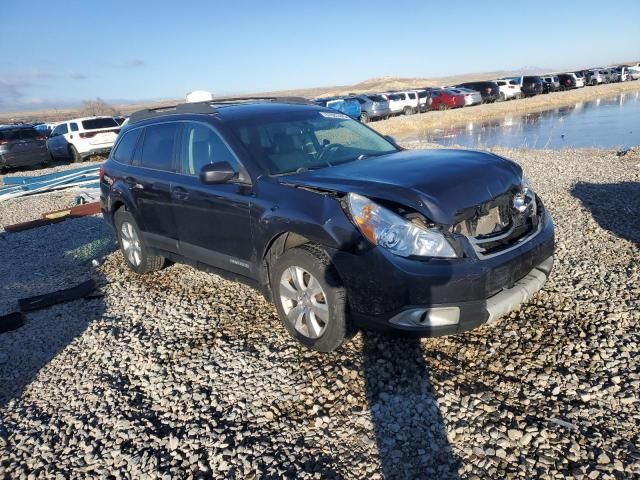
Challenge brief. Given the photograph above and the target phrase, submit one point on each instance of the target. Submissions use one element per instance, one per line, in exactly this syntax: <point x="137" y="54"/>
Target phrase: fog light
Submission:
<point x="427" y="317"/>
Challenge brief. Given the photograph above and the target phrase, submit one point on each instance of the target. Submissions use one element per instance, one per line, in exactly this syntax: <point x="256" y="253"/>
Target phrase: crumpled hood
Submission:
<point x="437" y="183"/>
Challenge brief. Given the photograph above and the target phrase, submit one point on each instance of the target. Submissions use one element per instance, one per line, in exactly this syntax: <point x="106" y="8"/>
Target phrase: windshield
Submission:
<point x="288" y="142"/>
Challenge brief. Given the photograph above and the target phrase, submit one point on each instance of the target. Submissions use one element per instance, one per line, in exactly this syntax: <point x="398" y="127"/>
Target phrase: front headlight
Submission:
<point x="388" y="230"/>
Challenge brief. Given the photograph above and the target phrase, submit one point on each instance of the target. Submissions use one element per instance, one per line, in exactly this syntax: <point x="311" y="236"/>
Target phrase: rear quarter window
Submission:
<point x="96" y="123"/>
<point x="124" y="150"/>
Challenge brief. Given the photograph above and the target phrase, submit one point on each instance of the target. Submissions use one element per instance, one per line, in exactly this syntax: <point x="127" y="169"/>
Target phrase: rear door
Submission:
<point x="213" y="220"/>
<point x="33" y="148"/>
<point x="149" y="181"/>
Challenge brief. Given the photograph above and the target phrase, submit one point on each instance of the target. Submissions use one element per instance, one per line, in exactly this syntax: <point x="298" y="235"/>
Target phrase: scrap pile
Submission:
<point x="14" y="187"/>
<point x="86" y="179"/>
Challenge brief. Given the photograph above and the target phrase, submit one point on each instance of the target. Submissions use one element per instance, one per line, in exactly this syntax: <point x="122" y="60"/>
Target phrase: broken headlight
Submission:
<point x="392" y="232"/>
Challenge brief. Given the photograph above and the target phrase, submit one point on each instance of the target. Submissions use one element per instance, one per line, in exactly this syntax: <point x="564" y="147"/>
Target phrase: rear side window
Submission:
<point x="158" y="146"/>
<point x="124" y="151"/>
<point x="74" y="126"/>
<point x="202" y="146"/>
<point x="96" y="123"/>
<point x="412" y="96"/>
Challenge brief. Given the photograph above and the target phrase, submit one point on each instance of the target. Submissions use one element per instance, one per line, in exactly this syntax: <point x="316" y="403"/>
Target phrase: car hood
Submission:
<point x="440" y="184"/>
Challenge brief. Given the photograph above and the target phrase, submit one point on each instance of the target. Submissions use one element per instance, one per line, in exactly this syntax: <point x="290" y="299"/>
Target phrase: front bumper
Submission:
<point x="442" y="297"/>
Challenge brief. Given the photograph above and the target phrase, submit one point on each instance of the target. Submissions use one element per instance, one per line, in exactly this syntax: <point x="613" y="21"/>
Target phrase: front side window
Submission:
<point x="287" y="142"/>
<point x="412" y="96"/>
<point x="202" y="146"/>
<point x="74" y="126"/>
<point x="158" y="146"/>
<point x="124" y="151"/>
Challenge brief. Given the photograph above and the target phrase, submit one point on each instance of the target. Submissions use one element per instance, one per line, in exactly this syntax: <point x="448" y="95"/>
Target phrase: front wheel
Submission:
<point x="364" y="117"/>
<point x="310" y="298"/>
<point x="407" y="110"/>
<point x="443" y="106"/>
<point x="137" y="255"/>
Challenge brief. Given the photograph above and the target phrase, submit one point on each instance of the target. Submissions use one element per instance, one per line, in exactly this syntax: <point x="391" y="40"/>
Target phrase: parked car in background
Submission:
<point x="623" y="73"/>
<point x="633" y="74"/>
<point x="551" y="83"/>
<point x="509" y="89"/>
<point x="530" y="85"/>
<point x="22" y="146"/>
<point x="81" y="138"/>
<point x="597" y="77"/>
<point x="44" y="128"/>
<point x="611" y="75"/>
<point x="333" y="223"/>
<point x="444" y="99"/>
<point x="409" y="100"/>
<point x="348" y="106"/>
<point x="490" y="91"/>
<point x="424" y="100"/>
<point x="567" y="81"/>
<point x="396" y="104"/>
<point x="580" y="79"/>
<point x="372" y="107"/>
<point x="471" y="97"/>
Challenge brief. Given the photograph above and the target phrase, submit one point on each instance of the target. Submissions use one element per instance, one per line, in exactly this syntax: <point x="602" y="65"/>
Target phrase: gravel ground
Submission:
<point x="30" y="207"/>
<point x="181" y="374"/>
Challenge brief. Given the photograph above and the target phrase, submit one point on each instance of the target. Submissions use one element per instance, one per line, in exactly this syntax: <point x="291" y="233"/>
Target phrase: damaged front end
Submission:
<point x="503" y="223"/>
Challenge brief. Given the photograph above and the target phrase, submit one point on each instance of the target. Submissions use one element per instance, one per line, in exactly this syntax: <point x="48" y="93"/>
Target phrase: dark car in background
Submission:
<point x="551" y="83"/>
<point x="332" y="222"/>
<point x="567" y="81"/>
<point x="490" y="91"/>
<point x="22" y="146"/>
<point x="530" y="85"/>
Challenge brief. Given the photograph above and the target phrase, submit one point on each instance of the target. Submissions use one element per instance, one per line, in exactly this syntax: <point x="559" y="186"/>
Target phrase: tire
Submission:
<point x="443" y="106"/>
<point x="74" y="156"/>
<point x="407" y="110"/>
<point x="364" y="117"/>
<point x="145" y="261"/>
<point x="503" y="97"/>
<point x="326" y="331"/>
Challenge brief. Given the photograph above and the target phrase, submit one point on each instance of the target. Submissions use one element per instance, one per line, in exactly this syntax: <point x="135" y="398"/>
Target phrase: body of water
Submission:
<point x="612" y="122"/>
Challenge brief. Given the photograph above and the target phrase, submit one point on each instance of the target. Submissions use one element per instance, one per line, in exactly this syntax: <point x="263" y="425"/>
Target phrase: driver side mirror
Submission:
<point x="219" y="172"/>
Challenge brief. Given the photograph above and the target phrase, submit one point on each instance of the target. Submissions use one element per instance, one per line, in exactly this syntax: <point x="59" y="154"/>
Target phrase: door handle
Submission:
<point x="132" y="184"/>
<point x="179" y="193"/>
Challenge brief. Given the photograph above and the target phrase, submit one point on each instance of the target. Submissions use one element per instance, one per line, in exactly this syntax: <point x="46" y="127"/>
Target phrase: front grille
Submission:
<point x="499" y="225"/>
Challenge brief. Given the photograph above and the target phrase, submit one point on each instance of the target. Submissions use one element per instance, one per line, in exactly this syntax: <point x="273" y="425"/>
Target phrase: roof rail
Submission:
<point x="196" y="107"/>
<point x="208" y="107"/>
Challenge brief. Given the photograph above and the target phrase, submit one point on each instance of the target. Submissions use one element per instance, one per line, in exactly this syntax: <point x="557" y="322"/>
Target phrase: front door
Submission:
<point x="213" y="220"/>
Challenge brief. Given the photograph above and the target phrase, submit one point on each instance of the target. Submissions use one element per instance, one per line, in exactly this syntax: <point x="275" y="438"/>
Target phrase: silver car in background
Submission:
<point x="373" y="106"/>
<point x="22" y="146"/>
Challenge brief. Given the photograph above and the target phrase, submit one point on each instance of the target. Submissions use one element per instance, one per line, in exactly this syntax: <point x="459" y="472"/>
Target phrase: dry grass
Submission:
<point x="425" y="122"/>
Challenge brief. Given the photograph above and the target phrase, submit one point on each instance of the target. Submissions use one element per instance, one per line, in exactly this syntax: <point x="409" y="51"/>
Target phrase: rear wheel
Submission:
<point x="407" y="110"/>
<point x="443" y="106"/>
<point x="364" y="117"/>
<point x="137" y="255"/>
<point x="74" y="156"/>
<point x="310" y="298"/>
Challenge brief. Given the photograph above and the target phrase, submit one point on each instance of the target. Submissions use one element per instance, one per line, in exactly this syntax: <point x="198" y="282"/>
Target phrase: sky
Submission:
<point x="56" y="54"/>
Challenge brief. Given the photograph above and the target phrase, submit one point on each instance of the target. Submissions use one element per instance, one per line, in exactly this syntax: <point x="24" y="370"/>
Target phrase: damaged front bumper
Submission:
<point x="443" y="296"/>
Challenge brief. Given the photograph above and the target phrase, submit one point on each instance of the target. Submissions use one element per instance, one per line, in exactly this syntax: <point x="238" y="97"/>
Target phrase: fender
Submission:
<point x="118" y="194"/>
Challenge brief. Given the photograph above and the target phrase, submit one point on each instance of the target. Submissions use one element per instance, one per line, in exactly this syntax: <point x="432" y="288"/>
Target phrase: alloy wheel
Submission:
<point x="131" y="243"/>
<point x="304" y="302"/>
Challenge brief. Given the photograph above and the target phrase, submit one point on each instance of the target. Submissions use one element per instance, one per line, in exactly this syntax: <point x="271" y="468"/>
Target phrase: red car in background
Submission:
<point x="443" y="99"/>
